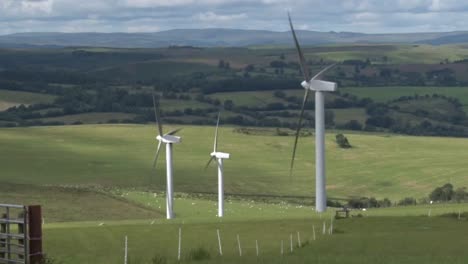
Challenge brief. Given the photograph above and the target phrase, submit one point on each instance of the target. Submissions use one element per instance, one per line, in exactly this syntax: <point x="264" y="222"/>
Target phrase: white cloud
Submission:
<point x="154" y="15"/>
<point x="37" y="8"/>
<point x="212" y="17"/>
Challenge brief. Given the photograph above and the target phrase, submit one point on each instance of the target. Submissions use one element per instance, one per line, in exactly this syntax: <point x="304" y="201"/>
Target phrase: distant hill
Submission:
<point x="450" y="39"/>
<point x="218" y="38"/>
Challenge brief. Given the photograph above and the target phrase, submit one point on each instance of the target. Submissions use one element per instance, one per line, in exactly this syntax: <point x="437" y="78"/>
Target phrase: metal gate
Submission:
<point x="20" y="234"/>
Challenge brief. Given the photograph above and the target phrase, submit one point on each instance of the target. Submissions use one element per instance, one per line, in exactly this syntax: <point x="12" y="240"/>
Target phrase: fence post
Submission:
<point x="313" y="231"/>
<point x="291" y="242"/>
<point x="239" y="245"/>
<point x="34" y="213"/>
<point x="282" y="248"/>
<point x="3" y="240"/>
<point x="256" y="246"/>
<point x="126" y="250"/>
<point x="219" y="243"/>
<point x="299" y="239"/>
<point x="180" y="243"/>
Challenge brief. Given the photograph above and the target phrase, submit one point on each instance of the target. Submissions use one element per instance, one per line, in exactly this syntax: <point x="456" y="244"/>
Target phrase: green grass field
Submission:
<point x="121" y="155"/>
<point x="90" y="118"/>
<point x="13" y="98"/>
<point x="259" y="98"/>
<point x="93" y="184"/>
<point x="399" y="54"/>
<point x="344" y="115"/>
<point x="394" y="238"/>
<point x="151" y="70"/>
<point x="384" y="94"/>
<point x="65" y="204"/>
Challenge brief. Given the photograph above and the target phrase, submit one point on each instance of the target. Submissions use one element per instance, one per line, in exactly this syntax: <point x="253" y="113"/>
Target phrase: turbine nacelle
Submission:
<point x="220" y="155"/>
<point x="169" y="139"/>
<point x="319" y="85"/>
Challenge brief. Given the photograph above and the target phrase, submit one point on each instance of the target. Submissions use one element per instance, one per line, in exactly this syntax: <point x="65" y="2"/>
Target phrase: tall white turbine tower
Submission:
<point x="167" y="139"/>
<point x="219" y="157"/>
<point x="320" y="87"/>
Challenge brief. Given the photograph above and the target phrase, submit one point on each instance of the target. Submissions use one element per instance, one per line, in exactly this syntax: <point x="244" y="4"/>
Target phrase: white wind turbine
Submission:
<point x="320" y="87"/>
<point x="219" y="157"/>
<point x="167" y="139"/>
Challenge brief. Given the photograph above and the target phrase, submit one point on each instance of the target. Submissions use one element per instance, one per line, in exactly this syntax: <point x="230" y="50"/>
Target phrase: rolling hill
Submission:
<point x="217" y="37"/>
<point x="378" y="165"/>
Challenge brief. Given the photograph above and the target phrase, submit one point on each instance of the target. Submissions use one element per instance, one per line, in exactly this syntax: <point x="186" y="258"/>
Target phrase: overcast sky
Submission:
<point x="369" y="16"/>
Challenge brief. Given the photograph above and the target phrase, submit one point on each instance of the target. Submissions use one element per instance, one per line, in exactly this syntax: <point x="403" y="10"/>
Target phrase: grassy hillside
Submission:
<point x="65" y="204"/>
<point x="400" y="54"/>
<point x="121" y="155"/>
<point x="385" y="94"/>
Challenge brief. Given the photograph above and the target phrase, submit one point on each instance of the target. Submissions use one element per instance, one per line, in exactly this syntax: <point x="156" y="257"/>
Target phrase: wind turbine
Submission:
<point x="320" y="87"/>
<point x="219" y="157"/>
<point x="168" y="139"/>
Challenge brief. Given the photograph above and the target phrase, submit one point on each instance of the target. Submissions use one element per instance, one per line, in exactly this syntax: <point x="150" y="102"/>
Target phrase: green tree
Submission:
<point x="444" y="193"/>
<point x="342" y="141"/>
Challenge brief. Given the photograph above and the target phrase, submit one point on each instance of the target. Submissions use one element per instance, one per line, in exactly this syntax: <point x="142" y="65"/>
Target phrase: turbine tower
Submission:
<point x="168" y="139"/>
<point x="219" y="157"/>
<point x="320" y="87"/>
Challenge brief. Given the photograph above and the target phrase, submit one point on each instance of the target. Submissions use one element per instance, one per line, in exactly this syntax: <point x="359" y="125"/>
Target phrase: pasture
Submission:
<point x="14" y="98"/>
<point x="385" y="94"/>
<point x="379" y="165"/>
<point x="395" y="238"/>
<point x="397" y="54"/>
<point x="90" y="118"/>
<point x="94" y="183"/>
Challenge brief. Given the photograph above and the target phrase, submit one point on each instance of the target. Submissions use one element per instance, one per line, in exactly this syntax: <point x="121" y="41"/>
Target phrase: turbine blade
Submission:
<point x="302" y="61"/>
<point x="299" y="126"/>
<point x="157" y="115"/>
<point x="209" y="161"/>
<point x="216" y="134"/>
<point x="157" y="154"/>
<point x="323" y="71"/>
<point x="173" y="132"/>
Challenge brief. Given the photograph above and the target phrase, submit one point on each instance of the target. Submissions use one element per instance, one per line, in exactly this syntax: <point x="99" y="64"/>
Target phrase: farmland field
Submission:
<point x="383" y="94"/>
<point x="90" y="118"/>
<point x="13" y="98"/>
<point x="369" y="239"/>
<point x="400" y="54"/>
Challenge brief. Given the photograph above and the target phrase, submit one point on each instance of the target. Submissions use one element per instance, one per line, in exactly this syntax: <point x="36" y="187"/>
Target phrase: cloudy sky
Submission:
<point x="370" y="16"/>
